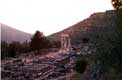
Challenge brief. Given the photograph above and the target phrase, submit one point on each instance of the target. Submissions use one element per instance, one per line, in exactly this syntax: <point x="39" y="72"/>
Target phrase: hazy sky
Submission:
<point x="48" y="16"/>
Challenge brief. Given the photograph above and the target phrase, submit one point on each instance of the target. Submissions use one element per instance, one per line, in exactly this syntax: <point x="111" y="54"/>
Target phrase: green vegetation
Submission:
<point x="109" y="52"/>
<point x="39" y="41"/>
<point x="13" y="49"/>
<point x="80" y="66"/>
<point x="117" y="4"/>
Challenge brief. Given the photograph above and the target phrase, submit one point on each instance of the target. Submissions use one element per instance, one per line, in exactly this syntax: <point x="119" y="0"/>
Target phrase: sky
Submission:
<point x="48" y="16"/>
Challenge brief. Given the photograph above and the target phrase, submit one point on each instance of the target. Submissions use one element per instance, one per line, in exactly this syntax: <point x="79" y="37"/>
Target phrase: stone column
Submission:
<point x="65" y="43"/>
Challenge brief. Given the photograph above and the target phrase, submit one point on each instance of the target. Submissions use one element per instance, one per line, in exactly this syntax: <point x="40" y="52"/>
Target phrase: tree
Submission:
<point x="109" y="50"/>
<point x="39" y="41"/>
<point x="12" y="49"/>
<point x="117" y="4"/>
<point x="4" y="49"/>
<point x="25" y="46"/>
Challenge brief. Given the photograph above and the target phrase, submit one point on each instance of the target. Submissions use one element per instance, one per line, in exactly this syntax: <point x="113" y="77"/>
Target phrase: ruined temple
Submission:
<point x="65" y="43"/>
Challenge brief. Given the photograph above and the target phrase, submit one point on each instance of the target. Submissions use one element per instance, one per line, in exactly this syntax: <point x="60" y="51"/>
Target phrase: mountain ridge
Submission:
<point x="10" y="34"/>
<point x="96" y="24"/>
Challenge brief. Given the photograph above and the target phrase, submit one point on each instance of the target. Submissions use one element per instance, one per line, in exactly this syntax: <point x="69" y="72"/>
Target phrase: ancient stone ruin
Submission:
<point x="65" y="44"/>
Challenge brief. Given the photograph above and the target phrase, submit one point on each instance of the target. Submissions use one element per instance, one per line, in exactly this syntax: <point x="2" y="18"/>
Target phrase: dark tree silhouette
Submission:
<point x="117" y="4"/>
<point x="12" y="50"/>
<point x="55" y="44"/>
<point x="39" y="41"/>
<point x="4" y="49"/>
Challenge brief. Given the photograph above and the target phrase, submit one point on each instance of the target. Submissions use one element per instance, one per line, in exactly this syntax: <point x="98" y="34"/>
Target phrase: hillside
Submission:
<point x="10" y="34"/>
<point x="103" y="30"/>
<point x="97" y="24"/>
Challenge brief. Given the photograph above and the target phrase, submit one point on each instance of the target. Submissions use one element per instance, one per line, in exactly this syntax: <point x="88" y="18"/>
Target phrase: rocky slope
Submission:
<point x="97" y="24"/>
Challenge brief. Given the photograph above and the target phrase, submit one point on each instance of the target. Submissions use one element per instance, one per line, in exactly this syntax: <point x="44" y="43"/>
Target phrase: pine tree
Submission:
<point x="39" y="41"/>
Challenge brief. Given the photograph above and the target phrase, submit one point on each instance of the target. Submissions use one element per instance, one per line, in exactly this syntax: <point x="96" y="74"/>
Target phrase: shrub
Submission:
<point x="80" y="66"/>
<point x="39" y="41"/>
